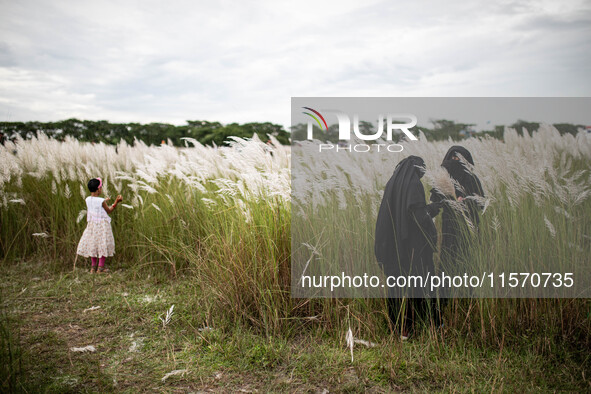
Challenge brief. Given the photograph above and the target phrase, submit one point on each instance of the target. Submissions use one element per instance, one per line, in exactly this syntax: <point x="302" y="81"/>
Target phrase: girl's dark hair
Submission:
<point x="93" y="185"/>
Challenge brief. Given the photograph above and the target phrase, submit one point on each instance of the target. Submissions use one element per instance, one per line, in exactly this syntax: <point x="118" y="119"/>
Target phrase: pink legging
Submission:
<point x="101" y="261"/>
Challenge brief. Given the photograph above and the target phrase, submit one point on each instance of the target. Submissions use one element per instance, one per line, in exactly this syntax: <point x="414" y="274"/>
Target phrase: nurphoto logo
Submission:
<point x="344" y="125"/>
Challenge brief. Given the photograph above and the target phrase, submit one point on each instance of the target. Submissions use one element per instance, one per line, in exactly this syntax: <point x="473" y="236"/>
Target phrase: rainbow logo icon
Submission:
<point x="315" y="118"/>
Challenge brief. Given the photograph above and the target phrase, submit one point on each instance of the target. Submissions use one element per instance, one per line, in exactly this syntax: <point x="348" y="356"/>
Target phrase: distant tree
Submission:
<point x="209" y="133"/>
<point x="299" y="132"/>
<point x="263" y="130"/>
<point x="203" y="131"/>
<point x="522" y="124"/>
<point x="444" y="129"/>
<point x="366" y="127"/>
<point x="152" y="134"/>
<point x="564" y="128"/>
<point x="498" y="132"/>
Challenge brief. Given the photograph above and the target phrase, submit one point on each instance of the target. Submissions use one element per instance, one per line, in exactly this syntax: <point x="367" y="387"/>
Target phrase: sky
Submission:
<point x="242" y="61"/>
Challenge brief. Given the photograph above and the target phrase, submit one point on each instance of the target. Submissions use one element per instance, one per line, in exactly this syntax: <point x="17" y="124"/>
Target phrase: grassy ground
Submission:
<point x="47" y="310"/>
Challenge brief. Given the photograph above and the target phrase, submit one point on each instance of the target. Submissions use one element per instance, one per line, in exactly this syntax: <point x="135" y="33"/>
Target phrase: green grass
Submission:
<point x="48" y="303"/>
<point x="231" y="272"/>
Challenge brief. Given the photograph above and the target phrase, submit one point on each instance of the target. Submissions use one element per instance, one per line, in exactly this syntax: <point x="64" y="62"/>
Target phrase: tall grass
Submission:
<point x="537" y="219"/>
<point x="10" y="352"/>
<point x="224" y="216"/>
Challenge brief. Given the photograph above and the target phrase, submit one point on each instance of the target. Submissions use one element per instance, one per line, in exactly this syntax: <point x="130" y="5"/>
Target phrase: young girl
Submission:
<point x="97" y="242"/>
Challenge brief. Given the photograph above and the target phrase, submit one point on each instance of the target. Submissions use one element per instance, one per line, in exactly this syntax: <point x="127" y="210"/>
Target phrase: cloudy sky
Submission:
<point x="240" y="61"/>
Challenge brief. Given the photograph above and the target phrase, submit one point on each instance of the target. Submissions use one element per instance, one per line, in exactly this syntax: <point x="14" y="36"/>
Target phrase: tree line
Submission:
<point x="207" y="133"/>
<point x="216" y="133"/>
<point x="442" y="129"/>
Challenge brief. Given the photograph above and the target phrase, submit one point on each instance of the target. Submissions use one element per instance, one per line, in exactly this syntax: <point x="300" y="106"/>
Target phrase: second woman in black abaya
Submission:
<point x="405" y="236"/>
<point x="455" y="223"/>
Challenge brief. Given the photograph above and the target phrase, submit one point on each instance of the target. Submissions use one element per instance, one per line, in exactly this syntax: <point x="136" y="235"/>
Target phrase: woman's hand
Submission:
<point x="118" y="199"/>
<point x="460" y="199"/>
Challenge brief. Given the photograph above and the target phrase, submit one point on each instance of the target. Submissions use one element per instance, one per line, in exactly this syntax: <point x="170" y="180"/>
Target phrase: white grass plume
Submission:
<point x="84" y="349"/>
<point x="173" y="373"/>
<point x="81" y="215"/>
<point x="496" y="225"/>
<point x="550" y="227"/>
<point x="314" y="252"/>
<point x="41" y="235"/>
<point x="136" y="344"/>
<point x="82" y="192"/>
<point x="350" y="341"/>
<point x="439" y="179"/>
<point x="167" y="319"/>
<point x="149" y="299"/>
<point x="365" y="343"/>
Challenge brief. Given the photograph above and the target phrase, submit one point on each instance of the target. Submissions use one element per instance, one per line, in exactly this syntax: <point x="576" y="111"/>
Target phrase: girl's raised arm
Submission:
<point x="111" y="208"/>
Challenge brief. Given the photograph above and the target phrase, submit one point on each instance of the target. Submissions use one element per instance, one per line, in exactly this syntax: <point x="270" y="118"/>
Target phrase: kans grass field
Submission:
<point x="207" y="230"/>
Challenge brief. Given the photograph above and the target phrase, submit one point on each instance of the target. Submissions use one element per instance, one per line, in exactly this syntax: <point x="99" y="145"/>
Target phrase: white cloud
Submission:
<point x="241" y="61"/>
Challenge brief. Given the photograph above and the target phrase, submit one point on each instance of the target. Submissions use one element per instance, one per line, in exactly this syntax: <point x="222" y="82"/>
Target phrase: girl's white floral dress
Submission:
<point x="97" y="240"/>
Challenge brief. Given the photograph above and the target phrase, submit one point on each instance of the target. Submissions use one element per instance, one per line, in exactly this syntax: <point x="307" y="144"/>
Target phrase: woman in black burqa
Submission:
<point x="457" y="219"/>
<point x="405" y="238"/>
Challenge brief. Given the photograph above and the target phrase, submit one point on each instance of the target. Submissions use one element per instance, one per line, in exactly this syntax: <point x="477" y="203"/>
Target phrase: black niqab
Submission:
<point x="405" y="238"/>
<point x="459" y="171"/>
<point x="454" y="150"/>
<point x="404" y="231"/>
<point x="453" y="224"/>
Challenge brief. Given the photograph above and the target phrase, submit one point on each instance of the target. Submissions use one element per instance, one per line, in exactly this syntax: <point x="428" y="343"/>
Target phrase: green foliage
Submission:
<point x="10" y="353"/>
<point x="487" y="345"/>
<point x="520" y="125"/>
<point x="207" y="133"/>
<point x="215" y="133"/>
